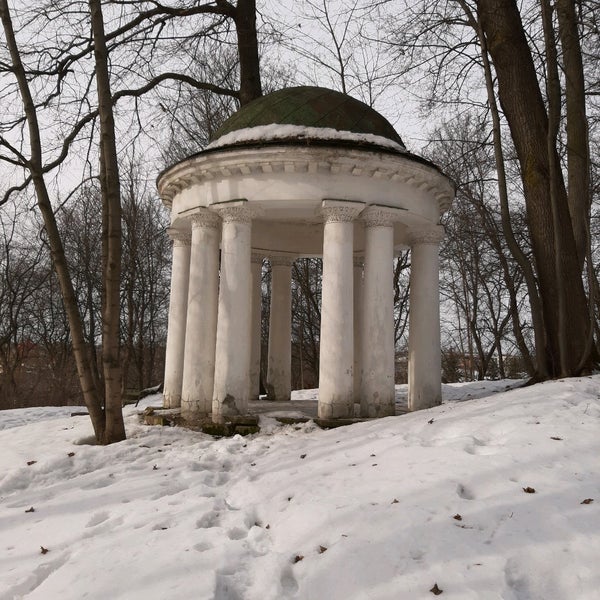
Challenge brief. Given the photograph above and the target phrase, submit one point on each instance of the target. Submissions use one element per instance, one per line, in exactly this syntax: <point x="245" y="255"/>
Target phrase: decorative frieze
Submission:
<point x="235" y="212"/>
<point x="179" y="238"/>
<point x="205" y="219"/>
<point x="397" y="168"/>
<point x="429" y="235"/>
<point x="380" y="216"/>
<point x="340" y="211"/>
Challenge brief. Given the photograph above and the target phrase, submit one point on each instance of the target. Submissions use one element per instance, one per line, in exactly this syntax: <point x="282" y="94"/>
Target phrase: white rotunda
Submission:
<point x="301" y="172"/>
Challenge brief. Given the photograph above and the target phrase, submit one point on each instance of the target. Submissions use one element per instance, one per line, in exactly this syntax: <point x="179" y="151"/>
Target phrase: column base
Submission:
<point x="378" y="407"/>
<point x="171" y="401"/>
<point x="338" y="409"/>
<point x="227" y="407"/>
<point x="426" y="396"/>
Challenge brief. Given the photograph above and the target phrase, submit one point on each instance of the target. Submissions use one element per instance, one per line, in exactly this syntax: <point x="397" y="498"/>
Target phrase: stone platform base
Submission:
<point x="239" y="425"/>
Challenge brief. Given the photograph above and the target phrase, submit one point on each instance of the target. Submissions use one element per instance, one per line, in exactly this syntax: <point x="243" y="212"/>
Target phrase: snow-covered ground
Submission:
<point x="381" y="510"/>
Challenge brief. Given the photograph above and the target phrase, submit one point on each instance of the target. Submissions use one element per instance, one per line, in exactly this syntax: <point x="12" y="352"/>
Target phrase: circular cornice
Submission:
<point x="238" y="162"/>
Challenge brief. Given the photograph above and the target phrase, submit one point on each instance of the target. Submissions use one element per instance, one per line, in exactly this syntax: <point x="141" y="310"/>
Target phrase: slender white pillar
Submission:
<point x="424" y="354"/>
<point x="358" y="317"/>
<point x="279" y="372"/>
<point x="336" y="358"/>
<point x="201" y="330"/>
<point x="180" y="270"/>
<point x="233" y="347"/>
<point x="256" y="266"/>
<point x="377" y="382"/>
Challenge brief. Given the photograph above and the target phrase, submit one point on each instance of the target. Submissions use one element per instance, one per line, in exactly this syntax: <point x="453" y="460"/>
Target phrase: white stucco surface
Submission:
<point x="345" y="198"/>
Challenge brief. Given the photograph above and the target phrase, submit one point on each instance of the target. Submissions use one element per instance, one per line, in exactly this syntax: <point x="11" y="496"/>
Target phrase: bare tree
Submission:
<point x="534" y="129"/>
<point x="145" y="282"/>
<point x="62" y="80"/>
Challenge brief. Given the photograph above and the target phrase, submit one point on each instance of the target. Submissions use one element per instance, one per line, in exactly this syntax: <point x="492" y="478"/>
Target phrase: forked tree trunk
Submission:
<point x="523" y="105"/>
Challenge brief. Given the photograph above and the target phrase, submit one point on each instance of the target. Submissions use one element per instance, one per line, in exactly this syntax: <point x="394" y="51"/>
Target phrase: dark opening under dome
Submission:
<point x="308" y="106"/>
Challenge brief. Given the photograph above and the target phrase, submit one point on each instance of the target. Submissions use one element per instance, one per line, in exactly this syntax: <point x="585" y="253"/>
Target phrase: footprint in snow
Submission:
<point x="464" y="492"/>
<point x="97" y="518"/>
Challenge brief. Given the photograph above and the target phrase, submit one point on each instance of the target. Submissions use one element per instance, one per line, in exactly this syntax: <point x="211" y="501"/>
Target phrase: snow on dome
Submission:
<point x="267" y="133"/>
<point x="315" y="108"/>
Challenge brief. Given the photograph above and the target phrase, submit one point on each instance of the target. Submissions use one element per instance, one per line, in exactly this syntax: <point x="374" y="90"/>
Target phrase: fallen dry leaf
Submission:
<point x="457" y="517"/>
<point x="298" y="558"/>
<point x="435" y="590"/>
<point x="30" y="510"/>
<point x="529" y="490"/>
<point x="44" y="550"/>
<point x="587" y="501"/>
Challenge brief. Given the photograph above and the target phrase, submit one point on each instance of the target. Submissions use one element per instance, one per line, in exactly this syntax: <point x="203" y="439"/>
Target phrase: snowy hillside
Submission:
<point x="490" y="498"/>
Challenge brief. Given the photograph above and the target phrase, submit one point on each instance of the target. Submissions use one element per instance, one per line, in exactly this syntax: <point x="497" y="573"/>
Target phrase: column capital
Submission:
<point x="340" y="211"/>
<point x="376" y="215"/>
<point x="257" y="257"/>
<point x="236" y="211"/>
<point x="205" y="219"/>
<point x="178" y="237"/>
<point x="281" y="260"/>
<point x="429" y="235"/>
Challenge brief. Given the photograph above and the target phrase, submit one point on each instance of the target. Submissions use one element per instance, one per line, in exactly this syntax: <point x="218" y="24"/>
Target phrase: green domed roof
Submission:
<point x="310" y="107"/>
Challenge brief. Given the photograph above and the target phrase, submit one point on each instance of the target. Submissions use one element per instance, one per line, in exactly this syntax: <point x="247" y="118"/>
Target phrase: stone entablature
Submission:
<point x="262" y="164"/>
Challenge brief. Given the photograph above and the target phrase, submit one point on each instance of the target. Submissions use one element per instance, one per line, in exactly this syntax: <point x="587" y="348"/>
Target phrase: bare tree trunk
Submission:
<point x="111" y="213"/>
<point x="578" y="149"/>
<point x="91" y="393"/>
<point x="245" y="23"/>
<point x="523" y="106"/>
<point x="535" y="304"/>
<point x="577" y="126"/>
<point x="553" y="96"/>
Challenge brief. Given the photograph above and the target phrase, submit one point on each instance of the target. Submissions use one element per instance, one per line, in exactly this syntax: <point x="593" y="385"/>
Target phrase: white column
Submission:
<point x="232" y="359"/>
<point x="377" y="383"/>
<point x="279" y="372"/>
<point x="256" y="266"/>
<point x="424" y="354"/>
<point x="336" y="393"/>
<point x="199" y="357"/>
<point x="358" y="316"/>
<point x="180" y="269"/>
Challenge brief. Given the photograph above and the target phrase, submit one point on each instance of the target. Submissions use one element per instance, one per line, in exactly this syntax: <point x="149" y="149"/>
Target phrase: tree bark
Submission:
<point x="111" y="239"/>
<point x="523" y="105"/>
<point x="245" y="23"/>
<point x="578" y="158"/>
